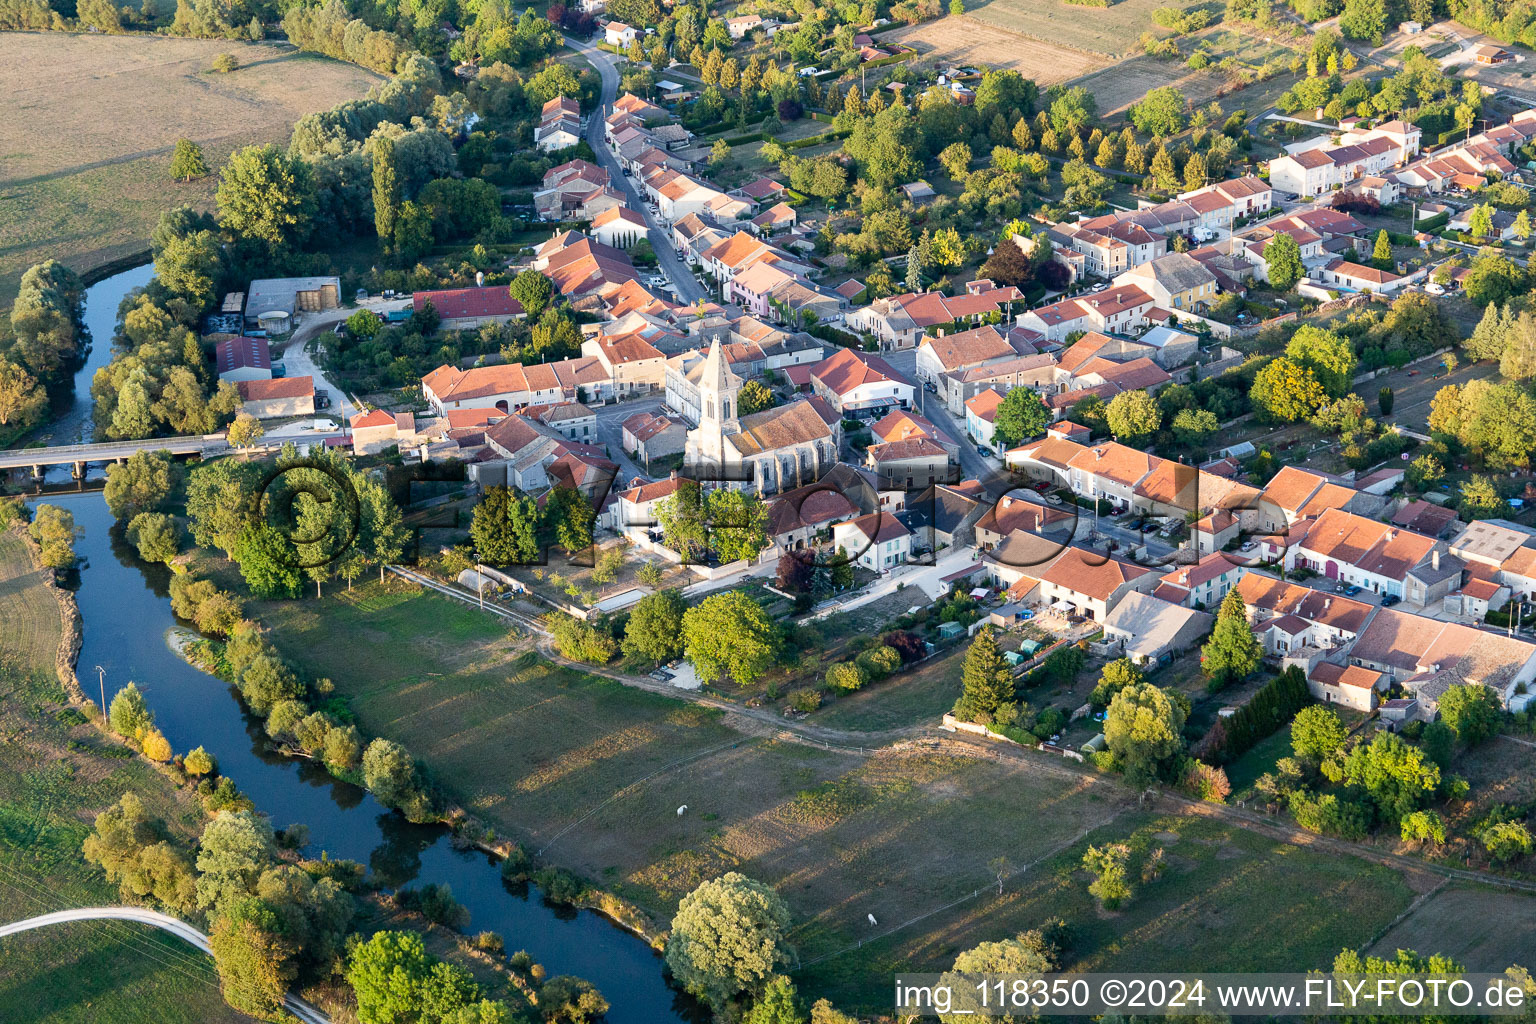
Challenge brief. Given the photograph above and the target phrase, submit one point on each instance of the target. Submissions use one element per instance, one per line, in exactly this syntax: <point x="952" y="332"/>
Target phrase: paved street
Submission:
<point x="610" y="433"/>
<point x="686" y="285"/>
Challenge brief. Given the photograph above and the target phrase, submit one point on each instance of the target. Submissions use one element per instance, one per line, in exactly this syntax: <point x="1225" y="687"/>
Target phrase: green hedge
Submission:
<point x="1439" y="220"/>
<point x="816" y="140"/>
<point x="897" y="58"/>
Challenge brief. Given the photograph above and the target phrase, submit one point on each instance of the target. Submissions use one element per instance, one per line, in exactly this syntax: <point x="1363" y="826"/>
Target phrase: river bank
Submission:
<point x="125" y="610"/>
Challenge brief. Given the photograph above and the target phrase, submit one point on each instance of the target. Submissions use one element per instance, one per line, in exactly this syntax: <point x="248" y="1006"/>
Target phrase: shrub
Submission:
<point x="845" y="677"/>
<point x="909" y="645"/>
<point x="879" y="662"/>
<point x="805" y="699"/>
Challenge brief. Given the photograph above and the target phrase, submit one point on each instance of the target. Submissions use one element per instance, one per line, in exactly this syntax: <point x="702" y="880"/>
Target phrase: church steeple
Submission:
<point x="718" y="417"/>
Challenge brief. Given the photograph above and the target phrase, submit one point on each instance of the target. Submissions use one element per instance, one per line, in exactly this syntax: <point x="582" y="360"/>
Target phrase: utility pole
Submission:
<point x="101" y="678"/>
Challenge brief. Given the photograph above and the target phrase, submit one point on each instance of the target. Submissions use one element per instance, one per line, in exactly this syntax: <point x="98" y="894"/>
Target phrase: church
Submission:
<point x="775" y="450"/>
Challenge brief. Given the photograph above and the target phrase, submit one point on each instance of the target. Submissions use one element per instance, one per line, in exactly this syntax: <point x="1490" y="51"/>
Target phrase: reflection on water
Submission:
<point x="125" y="608"/>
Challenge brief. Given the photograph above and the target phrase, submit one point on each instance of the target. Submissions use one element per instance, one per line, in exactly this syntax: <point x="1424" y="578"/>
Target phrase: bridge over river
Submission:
<point x="80" y="455"/>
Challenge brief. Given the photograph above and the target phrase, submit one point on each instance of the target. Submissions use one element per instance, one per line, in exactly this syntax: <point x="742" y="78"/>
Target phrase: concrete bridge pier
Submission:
<point x="37" y="473"/>
<point x="79" y="471"/>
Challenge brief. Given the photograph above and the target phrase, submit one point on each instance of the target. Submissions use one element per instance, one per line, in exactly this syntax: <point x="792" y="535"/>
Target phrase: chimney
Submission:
<point x="480" y="279"/>
<point x="1434" y="559"/>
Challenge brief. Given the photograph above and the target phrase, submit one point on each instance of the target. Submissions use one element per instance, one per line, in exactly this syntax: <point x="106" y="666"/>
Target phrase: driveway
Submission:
<point x="687" y="287"/>
<point x="298" y="361"/>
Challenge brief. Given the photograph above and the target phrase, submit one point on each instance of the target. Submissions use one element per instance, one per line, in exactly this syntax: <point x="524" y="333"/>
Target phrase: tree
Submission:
<point x="1110" y="885"/>
<point x="684" y="520"/>
<point x="1282" y="261"/>
<point x="1021" y="415"/>
<point x="728" y="938"/>
<point x="1331" y="358"/>
<point x="1385" y="399"/>
<point x="1133" y="416"/>
<point x="1493" y="278"/>
<point x="1232" y="652"/>
<point x="738" y="524"/>
<point x="1196" y="171"/>
<point x="245" y="431"/>
<point x="1394" y="774"/>
<point x="987" y="682"/>
<point x="1507" y="840"/>
<point x="224" y="63"/>
<point x="719" y="153"/>
<point x="1160" y="112"/>
<point x="655" y="629"/>
<point x="754" y="396"/>
<point x="1382" y="254"/>
<point x="388" y="973"/>
<point x="156" y="535"/>
<point x="1364" y="19"/>
<point x="1162" y="171"/>
<point x="533" y="291"/>
<point x="23" y="399"/>
<point x="729" y="634"/>
<point x="267" y="196"/>
<point x="387" y="189"/>
<point x="1472" y="711"/>
<point x="268" y="562"/>
<point x="1117" y="675"/>
<point x="55" y="531"/>
<point x="505" y="528"/>
<point x="569" y="512"/>
<point x="1480" y="221"/>
<point x="130" y="716"/>
<point x="1422" y="826"/>
<point x="955" y="158"/>
<point x="1317" y="734"/>
<point x="778" y="1003"/>
<point x="235" y="849"/>
<point x="1143" y="729"/>
<point x="1285" y="391"/>
<point x="1008" y="265"/>
<point x="187" y="161"/>
<point x="141" y="484"/>
<point x="252" y="956"/>
<point x="199" y="762"/>
<point x="1073" y="108"/>
<point x="1192" y="426"/>
<point x="1480" y="499"/>
<point x="391" y="776"/>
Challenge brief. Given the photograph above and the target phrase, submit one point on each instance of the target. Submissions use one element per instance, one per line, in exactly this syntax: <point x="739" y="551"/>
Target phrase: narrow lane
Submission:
<point x="687" y="287"/>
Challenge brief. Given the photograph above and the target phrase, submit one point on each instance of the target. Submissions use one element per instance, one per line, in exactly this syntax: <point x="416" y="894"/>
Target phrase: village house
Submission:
<point x="464" y="309"/>
<point x="877" y="541"/>
<point x="372" y="432"/>
<point x="277" y="397"/>
<point x="859" y="385"/>
<point x="1090" y="583"/>
<point x="571" y="420"/>
<point x="1120" y="309"/>
<point x="650" y="436"/>
<point x="1176" y="281"/>
<point x="980" y="414"/>
<point x="619" y="227"/>
<point x="900" y="321"/>
<point x="1151" y="631"/>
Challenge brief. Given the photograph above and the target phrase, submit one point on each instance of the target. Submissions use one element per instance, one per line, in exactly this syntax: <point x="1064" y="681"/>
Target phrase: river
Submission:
<point x="125" y="608"/>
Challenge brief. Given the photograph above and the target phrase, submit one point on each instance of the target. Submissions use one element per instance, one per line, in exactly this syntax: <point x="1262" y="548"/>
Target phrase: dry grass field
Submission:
<point x="966" y="40"/>
<point x="91" y="120"/>
<point x="1111" y="31"/>
<point x="1485" y="929"/>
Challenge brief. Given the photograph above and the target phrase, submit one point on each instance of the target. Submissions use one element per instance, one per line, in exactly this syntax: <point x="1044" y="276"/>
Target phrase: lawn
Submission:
<point x="86" y="176"/>
<point x="919" y="696"/>
<point x="1227" y="900"/>
<point x="591" y="775"/>
<point x="56" y="773"/>
<point x="1112" y="31"/>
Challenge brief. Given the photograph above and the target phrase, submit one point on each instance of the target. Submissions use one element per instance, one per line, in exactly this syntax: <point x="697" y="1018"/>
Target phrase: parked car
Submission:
<point x="983" y="451"/>
<point x="1248" y="546"/>
<point x="1390" y="600"/>
<point x="1054" y="499"/>
<point x="1351" y="591"/>
<point x="1339" y="589"/>
<point x="1148" y="527"/>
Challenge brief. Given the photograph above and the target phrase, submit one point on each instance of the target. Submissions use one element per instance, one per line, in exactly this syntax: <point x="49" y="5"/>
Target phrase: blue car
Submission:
<point x="1351" y="591"/>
